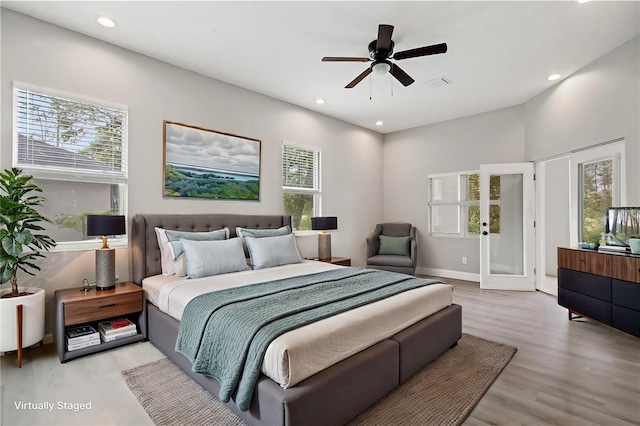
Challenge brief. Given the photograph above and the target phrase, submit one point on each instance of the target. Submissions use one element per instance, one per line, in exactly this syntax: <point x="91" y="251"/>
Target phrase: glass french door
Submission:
<point x="507" y="245"/>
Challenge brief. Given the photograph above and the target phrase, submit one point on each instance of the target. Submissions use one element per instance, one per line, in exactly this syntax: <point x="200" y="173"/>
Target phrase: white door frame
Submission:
<point x="526" y="281"/>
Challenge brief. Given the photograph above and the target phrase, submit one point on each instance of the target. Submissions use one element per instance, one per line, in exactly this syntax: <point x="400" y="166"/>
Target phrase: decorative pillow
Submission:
<point x="175" y="246"/>
<point x="174" y="238"/>
<point x="206" y="258"/>
<point x="166" y="256"/>
<point x="273" y="251"/>
<point x="260" y="233"/>
<point x="398" y="246"/>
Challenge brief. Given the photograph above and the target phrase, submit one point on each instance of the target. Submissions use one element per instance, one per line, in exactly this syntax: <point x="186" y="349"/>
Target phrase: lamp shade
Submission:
<point x="101" y="225"/>
<point x="324" y="223"/>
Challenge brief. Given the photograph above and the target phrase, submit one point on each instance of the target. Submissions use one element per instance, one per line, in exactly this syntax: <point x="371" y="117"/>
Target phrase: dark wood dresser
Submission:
<point x="601" y="286"/>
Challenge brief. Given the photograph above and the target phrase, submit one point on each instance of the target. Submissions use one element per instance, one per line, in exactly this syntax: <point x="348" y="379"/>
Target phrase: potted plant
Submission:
<point x="21" y="245"/>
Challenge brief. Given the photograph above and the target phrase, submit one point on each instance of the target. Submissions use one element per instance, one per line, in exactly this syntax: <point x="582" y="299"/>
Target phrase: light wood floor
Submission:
<point x="565" y="373"/>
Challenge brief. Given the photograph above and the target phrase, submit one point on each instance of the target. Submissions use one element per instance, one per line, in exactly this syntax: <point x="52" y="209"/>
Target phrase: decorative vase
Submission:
<point x="32" y="318"/>
<point x="635" y="245"/>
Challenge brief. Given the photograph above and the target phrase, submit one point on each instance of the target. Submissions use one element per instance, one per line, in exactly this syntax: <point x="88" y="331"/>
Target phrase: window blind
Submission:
<point x="300" y="168"/>
<point x="64" y="135"/>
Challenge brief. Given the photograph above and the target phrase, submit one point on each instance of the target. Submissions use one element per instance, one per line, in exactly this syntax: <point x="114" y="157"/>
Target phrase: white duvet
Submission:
<point x="303" y="352"/>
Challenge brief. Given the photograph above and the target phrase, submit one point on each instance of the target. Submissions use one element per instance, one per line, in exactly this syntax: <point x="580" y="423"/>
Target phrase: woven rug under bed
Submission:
<point x="443" y="393"/>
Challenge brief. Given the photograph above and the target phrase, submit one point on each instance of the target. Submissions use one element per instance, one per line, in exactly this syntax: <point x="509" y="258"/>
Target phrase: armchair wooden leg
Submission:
<point x="19" y="325"/>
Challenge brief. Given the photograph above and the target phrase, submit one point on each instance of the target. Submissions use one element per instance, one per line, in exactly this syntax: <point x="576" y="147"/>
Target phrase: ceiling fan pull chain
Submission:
<point x="370" y="98"/>
<point x="391" y="80"/>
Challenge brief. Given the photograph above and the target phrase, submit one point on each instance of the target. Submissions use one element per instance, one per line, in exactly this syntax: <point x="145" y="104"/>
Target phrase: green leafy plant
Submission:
<point x="20" y="244"/>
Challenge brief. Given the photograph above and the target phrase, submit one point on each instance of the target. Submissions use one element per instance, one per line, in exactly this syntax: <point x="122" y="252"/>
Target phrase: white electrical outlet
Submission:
<point x="464" y="260"/>
<point x="117" y="277"/>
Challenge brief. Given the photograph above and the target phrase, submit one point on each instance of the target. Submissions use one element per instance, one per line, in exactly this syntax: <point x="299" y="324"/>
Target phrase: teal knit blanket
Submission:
<point x="225" y="333"/>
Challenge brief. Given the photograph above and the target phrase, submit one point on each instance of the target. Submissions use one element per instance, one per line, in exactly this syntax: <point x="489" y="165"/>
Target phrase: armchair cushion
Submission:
<point x="390" y="260"/>
<point x="398" y="246"/>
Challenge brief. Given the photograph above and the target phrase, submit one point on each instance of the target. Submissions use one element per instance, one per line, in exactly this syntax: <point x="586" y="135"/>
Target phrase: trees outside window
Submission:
<point x="301" y="185"/>
<point x="76" y="151"/>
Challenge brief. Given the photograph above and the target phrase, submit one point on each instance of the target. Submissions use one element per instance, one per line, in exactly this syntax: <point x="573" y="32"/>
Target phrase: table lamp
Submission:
<point x="101" y="226"/>
<point x="323" y="224"/>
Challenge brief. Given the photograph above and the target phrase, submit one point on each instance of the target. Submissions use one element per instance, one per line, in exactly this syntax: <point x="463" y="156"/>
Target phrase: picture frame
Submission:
<point x="204" y="163"/>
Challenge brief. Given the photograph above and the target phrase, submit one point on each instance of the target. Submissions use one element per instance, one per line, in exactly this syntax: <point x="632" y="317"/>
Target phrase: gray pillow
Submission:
<point x="273" y="251"/>
<point x="260" y="233"/>
<point x="206" y="258"/>
<point x="174" y="238"/>
<point x="397" y="246"/>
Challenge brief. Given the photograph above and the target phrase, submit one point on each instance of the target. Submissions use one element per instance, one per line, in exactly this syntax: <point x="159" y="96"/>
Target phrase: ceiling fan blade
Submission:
<point x="344" y="59"/>
<point x="358" y="79"/>
<point x="384" y="37"/>
<point x="400" y="75"/>
<point x="421" y="51"/>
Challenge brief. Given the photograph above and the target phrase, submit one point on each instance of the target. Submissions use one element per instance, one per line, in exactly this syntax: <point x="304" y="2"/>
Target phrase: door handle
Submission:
<point x="484" y="232"/>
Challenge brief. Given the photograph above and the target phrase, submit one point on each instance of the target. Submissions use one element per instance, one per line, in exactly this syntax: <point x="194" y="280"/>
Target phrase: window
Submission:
<point x="598" y="182"/>
<point x="596" y="196"/>
<point x="454" y="204"/>
<point x="301" y="184"/>
<point x="76" y="151"/>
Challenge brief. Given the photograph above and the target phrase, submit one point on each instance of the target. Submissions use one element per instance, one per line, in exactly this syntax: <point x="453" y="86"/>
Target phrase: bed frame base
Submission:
<point x="336" y="395"/>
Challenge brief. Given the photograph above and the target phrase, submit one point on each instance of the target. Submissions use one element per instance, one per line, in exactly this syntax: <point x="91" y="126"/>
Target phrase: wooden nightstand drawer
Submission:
<point x="83" y="311"/>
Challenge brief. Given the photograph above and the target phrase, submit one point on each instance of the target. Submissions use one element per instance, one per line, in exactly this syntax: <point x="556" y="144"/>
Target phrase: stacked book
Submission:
<point x="116" y="329"/>
<point x="81" y="337"/>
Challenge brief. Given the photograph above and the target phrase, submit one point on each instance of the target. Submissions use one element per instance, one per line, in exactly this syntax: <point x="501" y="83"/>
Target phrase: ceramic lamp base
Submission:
<point x="105" y="269"/>
<point x="324" y="246"/>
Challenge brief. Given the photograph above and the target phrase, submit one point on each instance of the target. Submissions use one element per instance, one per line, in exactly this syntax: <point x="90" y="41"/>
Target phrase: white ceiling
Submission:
<point x="500" y="53"/>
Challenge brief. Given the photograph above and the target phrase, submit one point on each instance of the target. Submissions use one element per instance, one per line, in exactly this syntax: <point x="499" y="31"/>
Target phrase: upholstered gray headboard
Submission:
<point x="144" y="244"/>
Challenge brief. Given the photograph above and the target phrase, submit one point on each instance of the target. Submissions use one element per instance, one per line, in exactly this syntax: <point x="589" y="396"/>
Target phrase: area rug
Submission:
<point x="443" y="393"/>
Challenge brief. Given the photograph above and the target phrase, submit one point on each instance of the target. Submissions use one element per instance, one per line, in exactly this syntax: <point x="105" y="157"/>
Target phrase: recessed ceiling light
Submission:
<point x="379" y="123"/>
<point x="553" y="77"/>
<point x="319" y="101"/>
<point x="106" y="22"/>
<point x="582" y="1"/>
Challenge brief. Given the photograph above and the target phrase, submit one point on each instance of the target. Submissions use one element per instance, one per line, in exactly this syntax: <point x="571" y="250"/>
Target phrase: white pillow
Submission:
<point x="166" y="255"/>
<point x="259" y="233"/>
<point x="272" y="251"/>
<point x="205" y="258"/>
<point x="175" y="246"/>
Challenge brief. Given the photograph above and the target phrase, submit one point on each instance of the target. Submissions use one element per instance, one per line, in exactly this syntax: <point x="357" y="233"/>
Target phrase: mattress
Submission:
<point x="298" y="354"/>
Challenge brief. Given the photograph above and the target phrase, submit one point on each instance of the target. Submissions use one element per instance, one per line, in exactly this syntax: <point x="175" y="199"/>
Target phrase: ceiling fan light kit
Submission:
<point x="380" y="51"/>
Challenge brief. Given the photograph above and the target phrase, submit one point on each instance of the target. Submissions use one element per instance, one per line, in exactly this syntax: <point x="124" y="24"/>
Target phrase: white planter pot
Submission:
<point x="32" y="318"/>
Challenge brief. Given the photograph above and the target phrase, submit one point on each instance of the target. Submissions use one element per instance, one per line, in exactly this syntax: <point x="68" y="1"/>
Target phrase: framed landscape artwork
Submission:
<point x="203" y="163"/>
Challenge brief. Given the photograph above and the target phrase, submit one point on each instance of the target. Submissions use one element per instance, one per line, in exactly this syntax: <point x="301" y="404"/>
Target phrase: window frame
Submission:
<point x="614" y="150"/>
<point x="316" y="192"/>
<point x="463" y="206"/>
<point x="42" y="172"/>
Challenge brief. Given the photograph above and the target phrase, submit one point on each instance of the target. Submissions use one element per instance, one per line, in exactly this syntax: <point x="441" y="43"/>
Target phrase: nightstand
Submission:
<point x="74" y="306"/>
<point x="343" y="261"/>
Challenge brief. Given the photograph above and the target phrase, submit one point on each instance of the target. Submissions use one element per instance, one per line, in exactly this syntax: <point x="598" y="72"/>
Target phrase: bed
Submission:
<point x="325" y="395"/>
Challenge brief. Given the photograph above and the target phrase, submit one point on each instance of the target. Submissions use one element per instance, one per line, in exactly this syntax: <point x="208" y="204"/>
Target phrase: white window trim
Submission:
<point x="53" y="173"/>
<point x="317" y="193"/>
<point x="464" y="211"/>
<point x="614" y="149"/>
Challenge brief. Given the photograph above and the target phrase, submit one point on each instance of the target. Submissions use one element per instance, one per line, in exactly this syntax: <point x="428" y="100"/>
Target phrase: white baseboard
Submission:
<point x="445" y="273"/>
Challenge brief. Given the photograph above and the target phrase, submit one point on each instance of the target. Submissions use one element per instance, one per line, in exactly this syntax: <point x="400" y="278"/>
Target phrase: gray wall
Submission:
<point x="599" y="103"/>
<point x="451" y="146"/>
<point x="48" y="56"/>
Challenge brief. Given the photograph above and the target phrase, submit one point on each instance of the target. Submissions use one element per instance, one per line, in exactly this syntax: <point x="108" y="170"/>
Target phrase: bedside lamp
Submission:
<point x="101" y="226"/>
<point x="324" y="238"/>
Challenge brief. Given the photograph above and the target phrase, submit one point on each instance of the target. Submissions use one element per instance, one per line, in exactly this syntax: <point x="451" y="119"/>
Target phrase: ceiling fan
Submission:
<point x="381" y="50"/>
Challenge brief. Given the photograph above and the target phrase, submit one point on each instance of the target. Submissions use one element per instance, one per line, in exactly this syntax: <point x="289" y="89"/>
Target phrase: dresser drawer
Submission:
<point x="626" y="320"/>
<point x="625" y="293"/>
<point x="587" y="284"/>
<point x="585" y="305"/>
<point x="79" y="312"/>
<point x="585" y="261"/>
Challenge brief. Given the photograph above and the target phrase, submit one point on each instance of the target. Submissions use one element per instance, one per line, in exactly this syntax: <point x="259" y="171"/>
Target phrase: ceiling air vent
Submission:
<point x="438" y="82"/>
